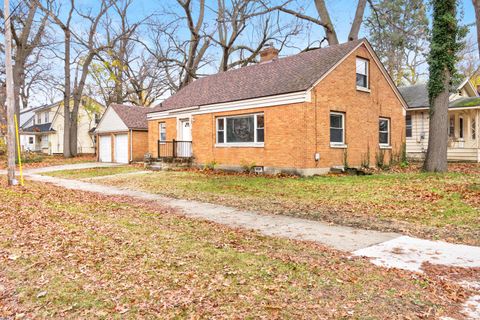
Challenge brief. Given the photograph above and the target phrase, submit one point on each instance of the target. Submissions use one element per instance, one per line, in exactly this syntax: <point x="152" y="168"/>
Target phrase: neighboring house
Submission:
<point x="463" y="122"/>
<point x="43" y="130"/>
<point x="301" y="114"/>
<point x="122" y="134"/>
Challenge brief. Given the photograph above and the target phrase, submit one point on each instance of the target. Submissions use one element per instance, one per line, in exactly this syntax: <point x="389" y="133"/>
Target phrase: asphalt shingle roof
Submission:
<point x="134" y="117"/>
<point x="39" y="128"/>
<point x="416" y="96"/>
<point x="280" y="76"/>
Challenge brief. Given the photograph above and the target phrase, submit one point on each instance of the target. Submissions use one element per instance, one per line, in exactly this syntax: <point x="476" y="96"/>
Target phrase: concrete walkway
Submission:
<point x="338" y="237"/>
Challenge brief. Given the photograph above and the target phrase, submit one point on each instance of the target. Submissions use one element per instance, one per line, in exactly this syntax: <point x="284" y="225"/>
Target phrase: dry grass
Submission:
<point x="70" y="254"/>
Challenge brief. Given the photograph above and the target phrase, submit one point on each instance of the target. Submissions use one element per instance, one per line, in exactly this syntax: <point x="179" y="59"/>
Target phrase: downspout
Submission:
<point x="131" y="145"/>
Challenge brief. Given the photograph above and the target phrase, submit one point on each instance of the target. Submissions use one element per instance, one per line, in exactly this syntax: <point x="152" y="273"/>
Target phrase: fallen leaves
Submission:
<point x="83" y="255"/>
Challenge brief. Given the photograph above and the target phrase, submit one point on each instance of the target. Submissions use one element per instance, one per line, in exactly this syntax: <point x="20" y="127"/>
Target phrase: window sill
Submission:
<point x="338" y="145"/>
<point x="239" y="145"/>
<point x="363" y="89"/>
<point x="385" y="147"/>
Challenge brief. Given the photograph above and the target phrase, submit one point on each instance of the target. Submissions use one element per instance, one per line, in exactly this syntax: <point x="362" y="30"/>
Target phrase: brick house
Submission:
<point x="122" y="134"/>
<point x="301" y="114"/>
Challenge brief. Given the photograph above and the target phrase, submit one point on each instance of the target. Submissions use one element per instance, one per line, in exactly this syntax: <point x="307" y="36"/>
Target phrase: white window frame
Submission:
<point x="46" y="117"/>
<point x="461" y="128"/>
<point x="473" y="129"/>
<point x="338" y="144"/>
<point x="39" y="118"/>
<point x="225" y="143"/>
<point x="367" y="71"/>
<point x="160" y="125"/>
<point x="409" y="126"/>
<point x="384" y="145"/>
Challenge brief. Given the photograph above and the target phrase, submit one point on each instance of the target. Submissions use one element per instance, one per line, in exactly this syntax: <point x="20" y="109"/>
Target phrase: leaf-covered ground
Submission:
<point x="435" y="206"/>
<point x="68" y="254"/>
<point x="95" y="172"/>
<point x="38" y="160"/>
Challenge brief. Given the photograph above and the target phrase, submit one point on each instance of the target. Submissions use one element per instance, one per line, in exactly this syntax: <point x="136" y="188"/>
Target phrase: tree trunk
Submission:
<point x="325" y="18"/>
<point x="357" y="21"/>
<point x="66" y="98"/>
<point x="436" y="159"/>
<point x="476" y="5"/>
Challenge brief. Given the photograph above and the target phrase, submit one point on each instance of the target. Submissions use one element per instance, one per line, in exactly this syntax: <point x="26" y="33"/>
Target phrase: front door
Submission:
<point x="184" y="146"/>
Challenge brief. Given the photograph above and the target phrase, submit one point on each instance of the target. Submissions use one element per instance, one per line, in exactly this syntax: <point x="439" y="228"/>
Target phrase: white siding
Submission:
<point x="458" y="150"/>
<point x="417" y="144"/>
<point x="111" y="122"/>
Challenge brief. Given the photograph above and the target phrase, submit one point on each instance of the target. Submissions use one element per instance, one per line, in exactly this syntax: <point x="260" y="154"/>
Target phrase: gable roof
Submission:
<point x="46" y="127"/>
<point x="416" y="96"/>
<point x="134" y="117"/>
<point x="281" y="76"/>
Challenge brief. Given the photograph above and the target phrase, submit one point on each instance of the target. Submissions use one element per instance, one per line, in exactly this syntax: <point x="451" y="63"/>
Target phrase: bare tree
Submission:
<point x="324" y="19"/>
<point x="67" y="35"/>
<point x="234" y="19"/>
<point x="91" y="48"/>
<point x="181" y="43"/>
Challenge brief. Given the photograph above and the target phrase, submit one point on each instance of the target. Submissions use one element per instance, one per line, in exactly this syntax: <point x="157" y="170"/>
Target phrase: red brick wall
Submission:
<point x="140" y="144"/>
<point x="294" y="133"/>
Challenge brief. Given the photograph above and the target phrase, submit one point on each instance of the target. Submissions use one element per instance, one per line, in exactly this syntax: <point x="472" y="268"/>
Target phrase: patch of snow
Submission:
<point x="409" y="253"/>
<point x="471" y="308"/>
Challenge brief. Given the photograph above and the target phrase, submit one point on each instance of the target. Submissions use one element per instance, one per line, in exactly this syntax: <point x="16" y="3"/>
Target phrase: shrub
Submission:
<point x="210" y="166"/>
<point x="3" y="146"/>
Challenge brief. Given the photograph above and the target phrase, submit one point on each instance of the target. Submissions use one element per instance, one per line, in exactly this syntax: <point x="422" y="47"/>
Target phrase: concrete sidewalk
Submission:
<point x="338" y="237"/>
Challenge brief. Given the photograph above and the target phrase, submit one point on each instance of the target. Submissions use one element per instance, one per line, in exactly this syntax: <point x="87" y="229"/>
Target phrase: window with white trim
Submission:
<point x="451" y="127"/>
<point x="408" y="126"/>
<point x="162" y="131"/>
<point x="461" y="126"/>
<point x="474" y="129"/>
<point x="337" y="128"/>
<point x="240" y="130"/>
<point x="46" y="117"/>
<point x="39" y="118"/>
<point x="384" y="132"/>
<point x="362" y="73"/>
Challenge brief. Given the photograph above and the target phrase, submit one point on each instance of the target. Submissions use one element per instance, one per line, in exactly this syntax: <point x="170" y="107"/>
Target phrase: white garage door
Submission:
<point x="105" y="150"/>
<point x="121" y="148"/>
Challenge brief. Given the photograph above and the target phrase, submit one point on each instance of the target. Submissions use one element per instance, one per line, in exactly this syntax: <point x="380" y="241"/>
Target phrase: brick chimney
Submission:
<point x="269" y="53"/>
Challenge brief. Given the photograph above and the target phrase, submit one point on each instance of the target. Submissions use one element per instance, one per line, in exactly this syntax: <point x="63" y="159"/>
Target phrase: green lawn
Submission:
<point x="437" y="206"/>
<point x="93" y="172"/>
<point x="70" y="254"/>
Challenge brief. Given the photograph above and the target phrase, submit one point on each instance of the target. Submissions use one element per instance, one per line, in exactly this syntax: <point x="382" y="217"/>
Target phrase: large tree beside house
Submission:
<point x="398" y="30"/>
<point x="442" y="60"/>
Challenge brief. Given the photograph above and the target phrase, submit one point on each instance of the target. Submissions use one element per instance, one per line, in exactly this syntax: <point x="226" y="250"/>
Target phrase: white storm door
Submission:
<point x="105" y="150"/>
<point x="184" y="147"/>
<point x="121" y="148"/>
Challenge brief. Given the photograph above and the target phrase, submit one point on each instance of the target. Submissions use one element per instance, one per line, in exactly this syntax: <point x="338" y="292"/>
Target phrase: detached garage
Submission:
<point x="122" y="134"/>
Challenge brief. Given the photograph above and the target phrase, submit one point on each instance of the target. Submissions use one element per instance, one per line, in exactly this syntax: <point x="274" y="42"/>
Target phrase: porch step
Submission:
<point x="161" y="165"/>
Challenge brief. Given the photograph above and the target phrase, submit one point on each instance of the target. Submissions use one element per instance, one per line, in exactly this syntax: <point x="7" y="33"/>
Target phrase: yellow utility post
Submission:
<point x="19" y="151"/>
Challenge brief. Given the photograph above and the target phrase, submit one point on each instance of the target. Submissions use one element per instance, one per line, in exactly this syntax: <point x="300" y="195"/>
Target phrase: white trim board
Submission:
<point x="271" y="101"/>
